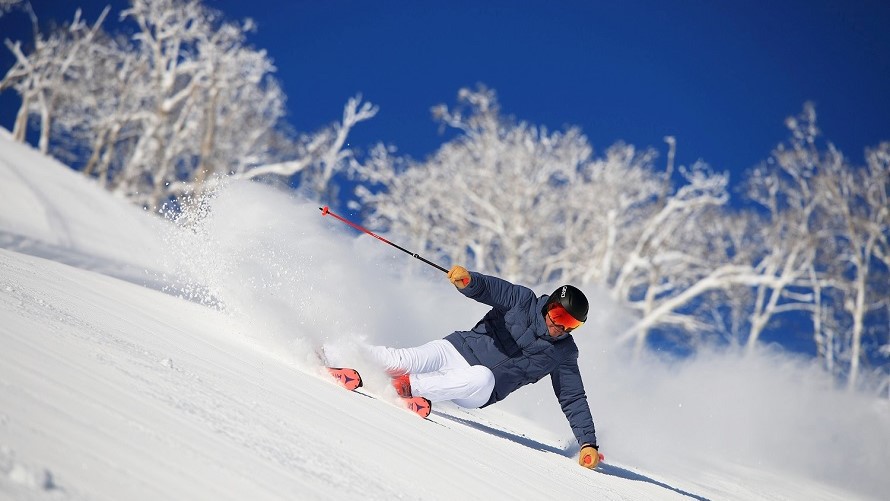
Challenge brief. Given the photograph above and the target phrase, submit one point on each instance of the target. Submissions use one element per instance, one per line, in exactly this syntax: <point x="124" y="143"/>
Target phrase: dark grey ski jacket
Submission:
<point x="512" y="340"/>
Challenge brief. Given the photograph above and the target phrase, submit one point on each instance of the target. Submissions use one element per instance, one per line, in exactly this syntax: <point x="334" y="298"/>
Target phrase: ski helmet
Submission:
<point x="572" y="299"/>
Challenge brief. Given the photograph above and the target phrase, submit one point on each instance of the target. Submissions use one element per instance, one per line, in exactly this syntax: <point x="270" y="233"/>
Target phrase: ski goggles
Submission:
<point x="562" y="318"/>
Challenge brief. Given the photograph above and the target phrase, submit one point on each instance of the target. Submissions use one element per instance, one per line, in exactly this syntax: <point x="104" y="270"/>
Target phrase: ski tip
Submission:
<point x="346" y="377"/>
<point x="418" y="405"/>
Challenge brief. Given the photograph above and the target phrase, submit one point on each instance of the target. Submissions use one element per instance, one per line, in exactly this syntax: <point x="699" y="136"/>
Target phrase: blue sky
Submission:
<point x="720" y="76"/>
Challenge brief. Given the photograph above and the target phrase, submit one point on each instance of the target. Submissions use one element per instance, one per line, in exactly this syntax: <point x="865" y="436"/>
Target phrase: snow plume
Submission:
<point x="296" y="280"/>
<point x="769" y="410"/>
<point x="293" y="277"/>
<point x="766" y="410"/>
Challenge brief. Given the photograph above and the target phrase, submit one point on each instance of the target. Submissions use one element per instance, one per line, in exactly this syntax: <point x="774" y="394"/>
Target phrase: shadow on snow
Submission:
<point x="617" y="471"/>
<point x="606" y="469"/>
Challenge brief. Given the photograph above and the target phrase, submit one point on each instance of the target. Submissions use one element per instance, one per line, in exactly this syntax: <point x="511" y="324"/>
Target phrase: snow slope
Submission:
<point x="118" y="381"/>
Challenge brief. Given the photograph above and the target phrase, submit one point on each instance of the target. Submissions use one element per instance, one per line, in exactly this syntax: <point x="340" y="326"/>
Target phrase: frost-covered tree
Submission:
<point x="678" y="258"/>
<point x="607" y="195"/>
<point x="199" y="85"/>
<point x="533" y="206"/>
<point x="512" y="199"/>
<point x="822" y="247"/>
<point x="788" y="233"/>
<point x="490" y="197"/>
<point x="8" y="5"/>
<point x="179" y="101"/>
<point x="318" y="157"/>
<point x="42" y="77"/>
<point x="106" y="116"/>
<point x="857" y="204"/>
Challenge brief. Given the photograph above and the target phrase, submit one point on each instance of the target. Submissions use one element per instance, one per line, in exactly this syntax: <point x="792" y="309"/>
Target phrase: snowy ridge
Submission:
<point x="112" y="386"/>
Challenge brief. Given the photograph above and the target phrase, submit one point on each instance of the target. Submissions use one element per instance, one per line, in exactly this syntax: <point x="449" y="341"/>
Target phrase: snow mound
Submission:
<point x="53" y="212"/>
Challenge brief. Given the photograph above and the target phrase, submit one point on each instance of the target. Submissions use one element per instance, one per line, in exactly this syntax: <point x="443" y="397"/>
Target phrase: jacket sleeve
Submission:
<point x="496" y="292"/>
<point x="569" y="390"/>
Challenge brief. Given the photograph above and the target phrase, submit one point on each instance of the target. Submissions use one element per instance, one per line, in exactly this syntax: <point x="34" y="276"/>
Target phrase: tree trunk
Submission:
<point x="21" y="120"/>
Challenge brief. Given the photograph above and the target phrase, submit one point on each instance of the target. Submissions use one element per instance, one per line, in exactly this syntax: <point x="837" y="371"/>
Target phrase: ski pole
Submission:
<point x="326" y="211"/>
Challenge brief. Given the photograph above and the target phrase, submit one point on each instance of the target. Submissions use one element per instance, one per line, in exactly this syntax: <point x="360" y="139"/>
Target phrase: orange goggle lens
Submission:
<point x="561" y="317"/>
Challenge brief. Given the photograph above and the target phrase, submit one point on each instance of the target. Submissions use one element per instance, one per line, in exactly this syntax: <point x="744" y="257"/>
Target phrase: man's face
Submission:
<point x="553" y="329"/>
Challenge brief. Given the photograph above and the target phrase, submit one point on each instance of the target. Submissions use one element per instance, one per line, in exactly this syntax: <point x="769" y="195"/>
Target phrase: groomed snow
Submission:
<point x="148" y="360"/>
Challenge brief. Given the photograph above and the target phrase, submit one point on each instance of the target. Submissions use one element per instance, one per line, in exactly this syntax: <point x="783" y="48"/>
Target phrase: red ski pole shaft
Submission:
<point x="325" y="211"/>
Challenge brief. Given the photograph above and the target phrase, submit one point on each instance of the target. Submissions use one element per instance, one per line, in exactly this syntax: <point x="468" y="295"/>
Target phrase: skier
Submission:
<point x="522" y="339"/>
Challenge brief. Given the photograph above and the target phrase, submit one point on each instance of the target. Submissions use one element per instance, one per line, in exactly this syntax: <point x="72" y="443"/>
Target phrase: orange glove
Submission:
<point x="589" y="456"/>
<point x="459" y="276"/>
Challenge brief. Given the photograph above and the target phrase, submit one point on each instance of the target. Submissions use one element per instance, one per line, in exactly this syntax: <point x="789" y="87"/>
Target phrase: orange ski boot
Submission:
<point x="402" y="384"/>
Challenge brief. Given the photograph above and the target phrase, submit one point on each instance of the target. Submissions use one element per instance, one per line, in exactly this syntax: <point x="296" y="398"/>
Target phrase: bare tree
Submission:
<point x="8" y="5"/>
<point x="41" y="77"/>
<point x="178" y="46"/>
<point x="489" y="197"/>
<point x="172" y="107"/>
<point x="319" y="156"/>
<point x="856" y="201"/>
<point x="532" y="206"/>
<point x="824" y="245"/>
<point x="607" y="197"/>
<point x="105" y="116"/>
<point x="679" y="256"/>
<point x="216" y="110"/>
<point x="788" y="235"/>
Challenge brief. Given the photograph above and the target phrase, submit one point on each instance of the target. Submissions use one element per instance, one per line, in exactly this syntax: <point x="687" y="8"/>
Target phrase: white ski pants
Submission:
<point x="438" y="372"/>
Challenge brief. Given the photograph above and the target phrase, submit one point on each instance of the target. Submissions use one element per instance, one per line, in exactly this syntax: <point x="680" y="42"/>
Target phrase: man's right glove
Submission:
<point x="589" y="456"/>
<point x="459" y="276"/>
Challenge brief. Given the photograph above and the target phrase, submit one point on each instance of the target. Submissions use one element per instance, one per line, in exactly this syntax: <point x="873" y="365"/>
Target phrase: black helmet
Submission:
<point x="572" y="299"/>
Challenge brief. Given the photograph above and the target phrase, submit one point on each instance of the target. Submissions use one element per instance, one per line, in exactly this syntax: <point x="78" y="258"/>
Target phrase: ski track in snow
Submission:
<point x="141" y="392"/>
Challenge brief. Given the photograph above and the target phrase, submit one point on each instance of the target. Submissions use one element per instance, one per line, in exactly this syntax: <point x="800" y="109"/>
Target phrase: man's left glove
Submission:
<point x="459" y="276"/>
<point x="589" y="456"/>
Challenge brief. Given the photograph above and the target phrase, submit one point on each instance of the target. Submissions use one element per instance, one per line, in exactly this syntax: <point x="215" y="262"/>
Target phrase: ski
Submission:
<point x="346" y="377"/>
<point x="351" y="380"/>
<point x="418" y="405"/>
